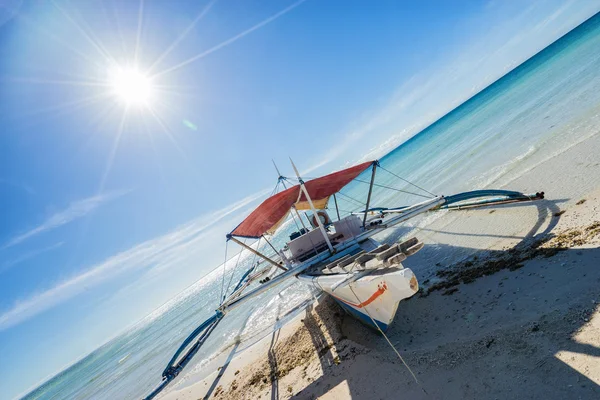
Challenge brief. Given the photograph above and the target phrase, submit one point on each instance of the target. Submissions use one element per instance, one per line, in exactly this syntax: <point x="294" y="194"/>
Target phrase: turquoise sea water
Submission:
<point x="551" y="100"/>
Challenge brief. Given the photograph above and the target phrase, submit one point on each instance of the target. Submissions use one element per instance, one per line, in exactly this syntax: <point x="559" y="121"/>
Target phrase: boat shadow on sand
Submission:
<point x="510" y="324"/>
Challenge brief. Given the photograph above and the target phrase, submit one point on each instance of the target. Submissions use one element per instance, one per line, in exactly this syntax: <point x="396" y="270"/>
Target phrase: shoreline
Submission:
<point x="526" y="317"/>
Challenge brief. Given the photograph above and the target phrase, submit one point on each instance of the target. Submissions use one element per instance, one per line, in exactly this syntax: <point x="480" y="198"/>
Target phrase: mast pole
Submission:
<point x="337" y="210"/>
<point x="279" y="176"/>
<point x="369" y="195"/>
<point x="258" y="253"/>
<point x="312" y="207"/>
<point x="281" y="179"/>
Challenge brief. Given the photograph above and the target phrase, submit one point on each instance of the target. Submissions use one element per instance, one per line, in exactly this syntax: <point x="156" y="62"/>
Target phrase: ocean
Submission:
<point x="538" y="110"/>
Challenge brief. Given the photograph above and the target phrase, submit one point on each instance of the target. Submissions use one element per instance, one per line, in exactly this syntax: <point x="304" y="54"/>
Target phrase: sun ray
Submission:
<point x="113" y="15"/>
<point x="52" y="36"/>
<point x="230" y="40"/>
<point x="90" y="32"/>
<point x="139" y="32"/>
<point x="56" y="81"/>
<point x="98" y="46"/>
<point x="183" y="35"/>
<point x="67" y="106"/>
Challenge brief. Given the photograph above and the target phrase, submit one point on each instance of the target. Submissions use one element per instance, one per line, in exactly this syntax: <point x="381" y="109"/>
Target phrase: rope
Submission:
<point x="275" y="189"/>
<point x="409" y="182"/>
<point x="234" y="268"/>
<point x="224" y="262"/>
<point x="255" y="255"/>
<point x="388" y="340"/>
<point x="353" y="199"/>
<point x="392" y="188"/>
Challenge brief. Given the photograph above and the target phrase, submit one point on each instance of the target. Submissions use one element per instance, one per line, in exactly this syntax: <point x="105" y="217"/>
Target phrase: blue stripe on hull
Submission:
<point x="362" y="317"/>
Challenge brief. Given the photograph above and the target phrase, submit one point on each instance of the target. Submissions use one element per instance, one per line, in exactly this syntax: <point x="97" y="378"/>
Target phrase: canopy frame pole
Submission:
<point x="312" y="207"/>
<point x="337" y="210"/>
<point x="369" y="195"/>
<point x="258" y="253"/>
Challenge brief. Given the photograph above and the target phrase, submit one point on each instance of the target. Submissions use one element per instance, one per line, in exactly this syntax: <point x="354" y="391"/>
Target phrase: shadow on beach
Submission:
<point x="512" y="331"/>
<point x="479" y="342"/>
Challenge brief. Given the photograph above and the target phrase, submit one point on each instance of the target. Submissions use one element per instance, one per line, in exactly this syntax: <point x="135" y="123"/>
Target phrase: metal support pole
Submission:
<point x="337" y="210"/>
<point x="369" y="195"/>
<point x="258" y="253"/>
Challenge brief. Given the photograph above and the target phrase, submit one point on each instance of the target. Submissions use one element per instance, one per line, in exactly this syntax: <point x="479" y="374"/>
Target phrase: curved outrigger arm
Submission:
<point x="461" y="201"/>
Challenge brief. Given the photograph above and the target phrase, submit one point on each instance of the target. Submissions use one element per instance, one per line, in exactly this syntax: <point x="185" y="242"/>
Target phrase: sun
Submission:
<point x="131" y="86"/>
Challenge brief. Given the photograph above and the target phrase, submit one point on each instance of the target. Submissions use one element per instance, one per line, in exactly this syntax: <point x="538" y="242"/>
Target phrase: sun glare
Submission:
<point x="131" y="86"/>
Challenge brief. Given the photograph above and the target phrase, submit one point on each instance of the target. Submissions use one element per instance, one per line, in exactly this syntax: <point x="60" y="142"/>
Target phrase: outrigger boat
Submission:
<point x="338" y="257"/>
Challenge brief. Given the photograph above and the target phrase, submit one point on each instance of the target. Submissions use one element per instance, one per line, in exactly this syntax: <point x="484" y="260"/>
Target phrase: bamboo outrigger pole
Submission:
<point x="258" y="253"/>
<point x="312" y="207"/>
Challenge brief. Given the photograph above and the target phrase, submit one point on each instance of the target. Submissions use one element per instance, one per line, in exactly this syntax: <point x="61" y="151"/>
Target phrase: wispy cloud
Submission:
<point x="232" y="39"/>
<point x="145" y="255"/>
<point x="75" y="210"/>
<point x="27" y="256"/>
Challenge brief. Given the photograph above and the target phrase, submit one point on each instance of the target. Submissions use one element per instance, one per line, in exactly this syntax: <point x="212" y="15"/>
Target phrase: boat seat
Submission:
<point x="413" y="249"/>
<point x="331" y="264"/>
<point x="379" y="249"/>
<point x="363" y="258"/>
<point x="407" y="243"/>
<point x="340" y="261"/>
<point x="349" y="260"/>
<point x="384" y="255"/>
<point x="395" y="259"/>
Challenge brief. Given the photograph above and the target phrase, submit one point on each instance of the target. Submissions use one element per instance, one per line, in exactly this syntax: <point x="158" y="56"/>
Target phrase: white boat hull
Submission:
<point x="372" y="297"/>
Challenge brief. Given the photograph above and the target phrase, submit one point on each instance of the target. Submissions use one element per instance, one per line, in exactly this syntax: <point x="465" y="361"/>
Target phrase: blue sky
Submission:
<point x="108" y="211"/>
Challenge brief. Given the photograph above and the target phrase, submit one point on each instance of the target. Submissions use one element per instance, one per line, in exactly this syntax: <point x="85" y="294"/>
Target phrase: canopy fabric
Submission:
<point x="273" y="211"/>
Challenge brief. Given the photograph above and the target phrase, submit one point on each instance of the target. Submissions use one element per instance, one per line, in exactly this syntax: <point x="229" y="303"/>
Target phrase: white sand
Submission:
<point x="532" y="332"/>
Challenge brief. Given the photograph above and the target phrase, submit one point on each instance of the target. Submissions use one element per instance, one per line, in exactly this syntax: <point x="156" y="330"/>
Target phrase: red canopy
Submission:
<point x="267" y="217"/>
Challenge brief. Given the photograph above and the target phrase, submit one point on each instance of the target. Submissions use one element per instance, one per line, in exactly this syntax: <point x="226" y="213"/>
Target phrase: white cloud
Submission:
<point x="75" y="210"/>
<point x="147" y="254"/>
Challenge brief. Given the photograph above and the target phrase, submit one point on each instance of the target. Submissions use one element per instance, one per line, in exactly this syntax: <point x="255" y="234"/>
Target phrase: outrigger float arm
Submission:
<point x="459" y="201"/>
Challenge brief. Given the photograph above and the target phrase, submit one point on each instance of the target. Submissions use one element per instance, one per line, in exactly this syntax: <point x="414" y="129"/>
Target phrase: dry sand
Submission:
<point x="509" y="308"/>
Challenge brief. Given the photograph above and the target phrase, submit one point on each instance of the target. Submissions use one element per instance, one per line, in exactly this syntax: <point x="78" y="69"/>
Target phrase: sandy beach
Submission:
<point x="508" y="308"/>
